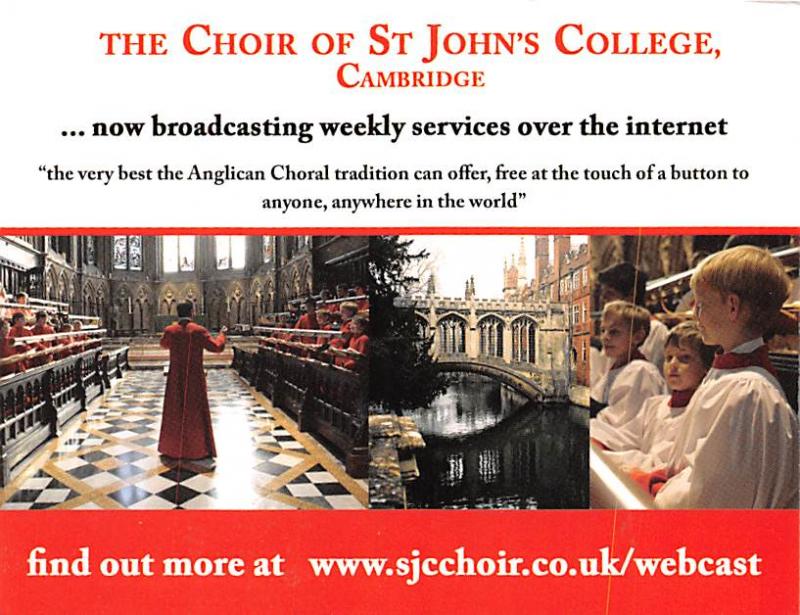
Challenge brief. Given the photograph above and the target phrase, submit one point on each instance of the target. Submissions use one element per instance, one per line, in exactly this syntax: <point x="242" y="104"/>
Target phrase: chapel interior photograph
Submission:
<point x="183" y="372"/>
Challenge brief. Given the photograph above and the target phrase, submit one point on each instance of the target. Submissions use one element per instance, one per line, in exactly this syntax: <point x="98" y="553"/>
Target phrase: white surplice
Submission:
<point x="652" y="349"/>
<point x="624" y="390"/>
<point x="646" y="441"/>
<point x="737" y="446"/>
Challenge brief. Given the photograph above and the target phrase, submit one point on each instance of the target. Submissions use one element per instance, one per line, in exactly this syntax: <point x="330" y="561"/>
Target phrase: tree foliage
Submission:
<point x="402" y="372"/>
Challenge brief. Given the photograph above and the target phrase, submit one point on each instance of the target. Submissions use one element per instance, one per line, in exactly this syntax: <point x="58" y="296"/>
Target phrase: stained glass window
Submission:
<point x="178" y="253"/>
<point x="120" y="252"/>
<point x="135" y="252"/>
<point x="127" y="252"/>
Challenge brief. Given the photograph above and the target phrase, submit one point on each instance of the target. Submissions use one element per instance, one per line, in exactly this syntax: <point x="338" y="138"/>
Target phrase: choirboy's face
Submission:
<point x="712" y="312"/>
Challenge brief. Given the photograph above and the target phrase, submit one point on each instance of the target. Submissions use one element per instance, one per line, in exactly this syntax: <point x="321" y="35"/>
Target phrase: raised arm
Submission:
<point x="214" y="344"/>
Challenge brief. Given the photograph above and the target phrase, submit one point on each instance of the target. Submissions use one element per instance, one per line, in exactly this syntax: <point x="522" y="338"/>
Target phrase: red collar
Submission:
<point x="733" y="360"/>
<point x="680" y="399"/>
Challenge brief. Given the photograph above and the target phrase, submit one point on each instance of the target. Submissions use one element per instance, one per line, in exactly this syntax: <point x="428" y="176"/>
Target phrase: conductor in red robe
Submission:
<point x="186" y="421"/>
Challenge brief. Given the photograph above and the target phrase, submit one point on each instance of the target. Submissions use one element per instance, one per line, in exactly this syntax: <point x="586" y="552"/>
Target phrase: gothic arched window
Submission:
<point x="230" y="251"/>
<point x="452" y="335"/>
<point x="178" y="253"/>
<point x="523" y="335"/>
<point x="491" y="337"/>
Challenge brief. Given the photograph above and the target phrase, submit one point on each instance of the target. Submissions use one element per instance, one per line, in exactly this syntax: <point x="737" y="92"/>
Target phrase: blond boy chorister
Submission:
<point x="737" y="447"/>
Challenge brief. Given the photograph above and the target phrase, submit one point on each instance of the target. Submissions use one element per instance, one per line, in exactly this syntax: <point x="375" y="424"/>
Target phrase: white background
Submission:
<point x="56" y="77"/>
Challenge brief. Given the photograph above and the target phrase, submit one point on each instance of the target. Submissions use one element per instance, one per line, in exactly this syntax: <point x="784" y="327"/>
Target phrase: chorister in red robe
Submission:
<point x="7" y="350"/>
<point x="17" y="331"/>
<point x="42" y="328"/>
<point x="186" y="421"/>
<point x="307" y="321"/>
<point x="358" y="343"/>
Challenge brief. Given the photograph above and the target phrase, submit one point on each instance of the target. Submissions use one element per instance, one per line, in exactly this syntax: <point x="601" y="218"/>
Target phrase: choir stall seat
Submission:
<point x="37" y="403"/>
<point x="326" y="400"/>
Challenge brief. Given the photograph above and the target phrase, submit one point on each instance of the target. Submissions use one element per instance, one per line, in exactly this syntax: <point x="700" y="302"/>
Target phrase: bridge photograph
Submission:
<point x="499" y="319"/>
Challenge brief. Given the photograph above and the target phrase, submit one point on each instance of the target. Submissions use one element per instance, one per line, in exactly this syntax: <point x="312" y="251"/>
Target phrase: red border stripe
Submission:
<point x="407" y="230"/>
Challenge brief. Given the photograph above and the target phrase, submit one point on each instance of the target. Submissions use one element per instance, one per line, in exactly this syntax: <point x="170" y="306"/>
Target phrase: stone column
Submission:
<point x="507" y="342"/>
<point x="433" y="328"/>
<point x="472" y="345"/>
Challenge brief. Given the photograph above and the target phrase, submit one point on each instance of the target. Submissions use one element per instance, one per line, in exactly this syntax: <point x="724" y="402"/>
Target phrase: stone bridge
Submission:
<point x="538" y="386"/>
<point x="525" y="345"/>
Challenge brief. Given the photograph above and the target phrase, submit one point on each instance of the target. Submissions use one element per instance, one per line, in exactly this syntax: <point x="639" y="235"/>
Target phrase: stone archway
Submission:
<point x="168" y="301"/>
<point x="90" y="299"/>
<point x="101" y="301"/>
<point x="236" y="302"/>
<point x="192" y="294"/>
<point x="256" y="298"/>
<point x="142" y="309"/>
<point x="51" y="284"/>
<point x="218" y="314"/>
<point x="124" y="305"/>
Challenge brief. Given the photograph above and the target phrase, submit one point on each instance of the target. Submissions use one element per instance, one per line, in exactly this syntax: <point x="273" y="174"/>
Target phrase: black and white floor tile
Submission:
<point x="108" y="459"/>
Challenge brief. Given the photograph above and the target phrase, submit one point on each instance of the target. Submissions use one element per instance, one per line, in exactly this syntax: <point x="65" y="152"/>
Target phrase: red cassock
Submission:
<point x="42" y="330"/>
<point x="323" y="339"/>
<point x="307" y="321"/>
<point x="18" y="331"/>
<point x="186" y="421"/>
<point x="360" y="344"/>
<point x="64" y="341"/>
<point x="345" y="330"/>
<point x="7" y="350"/>
<point x="79" y="338"/>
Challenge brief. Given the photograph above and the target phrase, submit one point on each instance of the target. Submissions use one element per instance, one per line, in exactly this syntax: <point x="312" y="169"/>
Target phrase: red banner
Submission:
<point x="400" y="562"/>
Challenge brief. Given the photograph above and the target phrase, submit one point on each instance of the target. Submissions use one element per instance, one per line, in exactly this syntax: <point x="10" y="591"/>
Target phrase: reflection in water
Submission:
<point x="487" y="447"/>
<point x="471" y="404"/>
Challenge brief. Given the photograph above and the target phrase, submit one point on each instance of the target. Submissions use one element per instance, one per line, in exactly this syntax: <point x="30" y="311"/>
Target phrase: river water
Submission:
<point x="489" y="447"/>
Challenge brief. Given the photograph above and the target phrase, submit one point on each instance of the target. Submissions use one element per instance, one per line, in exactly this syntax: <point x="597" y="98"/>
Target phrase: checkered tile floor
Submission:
<point x="109" y="459"/>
